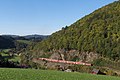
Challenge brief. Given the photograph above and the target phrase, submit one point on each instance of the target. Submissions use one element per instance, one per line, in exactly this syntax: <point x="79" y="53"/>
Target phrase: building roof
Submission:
<point x="95" y="71"/>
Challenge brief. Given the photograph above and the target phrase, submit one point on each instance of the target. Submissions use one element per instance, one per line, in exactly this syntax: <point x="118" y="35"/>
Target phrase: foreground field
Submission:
<point x="29" y="74"/>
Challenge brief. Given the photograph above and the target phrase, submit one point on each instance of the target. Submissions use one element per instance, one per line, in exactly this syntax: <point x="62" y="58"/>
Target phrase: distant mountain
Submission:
<point x="13" y="36"/>
<point x="13" y="41"/>
<point x="27" y="37"/>
<point x="35" y="37"/>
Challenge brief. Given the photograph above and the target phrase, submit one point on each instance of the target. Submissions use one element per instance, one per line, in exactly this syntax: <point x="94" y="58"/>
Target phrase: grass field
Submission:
<point x="29" y="74"/>
<point x="14" y="58"/>
<point x="25" y="41"/>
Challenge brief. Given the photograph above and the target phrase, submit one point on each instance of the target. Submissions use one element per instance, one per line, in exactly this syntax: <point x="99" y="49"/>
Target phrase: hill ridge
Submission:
<point x="97" y="32"/>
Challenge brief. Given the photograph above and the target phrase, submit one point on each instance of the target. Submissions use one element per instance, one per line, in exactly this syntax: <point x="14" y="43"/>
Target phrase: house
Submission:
<point x="68" y="70"/>
<point x="97" y="71"/>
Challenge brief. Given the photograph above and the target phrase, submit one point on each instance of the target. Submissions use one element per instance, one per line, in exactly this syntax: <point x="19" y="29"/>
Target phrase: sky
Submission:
<point x="43" y="17"/>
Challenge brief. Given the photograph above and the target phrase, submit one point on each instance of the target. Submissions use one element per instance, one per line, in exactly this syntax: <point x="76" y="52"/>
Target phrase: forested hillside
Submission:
<point x="6" y="42"/>
<point x="97" y="32"/>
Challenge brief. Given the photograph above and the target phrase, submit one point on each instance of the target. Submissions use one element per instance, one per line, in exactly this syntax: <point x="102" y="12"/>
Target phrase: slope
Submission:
<point x="97" y="32"/>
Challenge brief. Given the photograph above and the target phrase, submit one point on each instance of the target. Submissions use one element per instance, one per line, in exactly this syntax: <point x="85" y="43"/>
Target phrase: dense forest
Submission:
<point x="97" y="32"/>
<point x="6" y="42"/>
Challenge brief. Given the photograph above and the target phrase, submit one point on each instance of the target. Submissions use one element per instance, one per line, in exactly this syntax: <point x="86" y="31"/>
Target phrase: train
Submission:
<point x="64" y="61"/>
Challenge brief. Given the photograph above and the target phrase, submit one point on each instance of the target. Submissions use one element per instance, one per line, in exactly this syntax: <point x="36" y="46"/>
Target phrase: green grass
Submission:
<point x="6" y="50"/>
<point x="3" y="54"/>
<point x="15" y="59"/>
<point x="29" y="74"/>
<point x="25" y="41"/>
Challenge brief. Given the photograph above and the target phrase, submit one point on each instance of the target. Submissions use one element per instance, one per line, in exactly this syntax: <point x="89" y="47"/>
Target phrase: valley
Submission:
<point x="88" y="49"/>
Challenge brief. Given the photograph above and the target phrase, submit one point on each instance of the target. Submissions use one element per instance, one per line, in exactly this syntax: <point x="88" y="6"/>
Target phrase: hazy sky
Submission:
<point x="23" y="17"/>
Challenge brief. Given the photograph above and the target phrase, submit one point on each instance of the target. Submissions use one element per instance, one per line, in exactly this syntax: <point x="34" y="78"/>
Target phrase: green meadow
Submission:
<point x="32" y="74"/>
